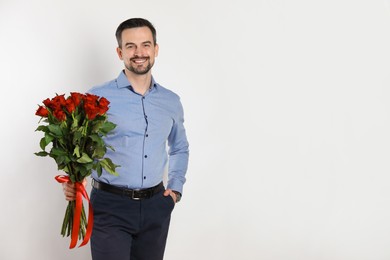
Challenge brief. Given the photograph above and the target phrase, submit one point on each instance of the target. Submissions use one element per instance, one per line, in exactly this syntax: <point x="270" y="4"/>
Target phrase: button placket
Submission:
<point x="145" y="133"/>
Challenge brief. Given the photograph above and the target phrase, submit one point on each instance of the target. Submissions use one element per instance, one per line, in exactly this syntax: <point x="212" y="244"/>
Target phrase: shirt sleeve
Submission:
<point x="178" y="152"/>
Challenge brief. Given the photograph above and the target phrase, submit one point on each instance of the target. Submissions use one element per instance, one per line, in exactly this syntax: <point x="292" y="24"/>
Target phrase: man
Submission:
<point x="132" y="211"/>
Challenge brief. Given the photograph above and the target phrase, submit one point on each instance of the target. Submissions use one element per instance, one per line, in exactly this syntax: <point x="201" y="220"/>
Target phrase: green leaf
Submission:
<point x="110" y="147"/>
<point x="62" y="141"/>
<point x="64" y="124"/>
<point x="97" y="124"/>
<point x="96" y="138"/>
<point x="99" y="169"/>
<point x="43" y="143"/>
<point x="61" y="166"/>
<point x="58" y="152"/>
<point x="76" y="115"/>
<point x="66" y="169"/>
<point x="108" y="165"/>
<point x="48" y="138"/>
<point x="85" y="170"/>
<point x="62" y="159"/>
<point x="75" y="123"/>
<point x="43" y="154"/>
<point x="55" y="129"/>
<point x="76" y="151"/>
<point x="82" y="130"/>
<point x="99" y="152"/>
<point x="42" y="128"/>
<point x="107" y="127"/>
<point x="77" y="137"/>
<point x="84" y="158"/>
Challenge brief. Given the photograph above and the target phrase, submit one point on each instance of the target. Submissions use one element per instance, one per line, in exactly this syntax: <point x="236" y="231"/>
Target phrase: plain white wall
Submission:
<point x="287" y="113"/>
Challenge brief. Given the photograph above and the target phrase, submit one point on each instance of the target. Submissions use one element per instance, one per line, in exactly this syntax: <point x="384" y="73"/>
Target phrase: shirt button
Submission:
<point x="147" y="135"/>
<point x="146" y="156"/>
<point x="144" y="177"/>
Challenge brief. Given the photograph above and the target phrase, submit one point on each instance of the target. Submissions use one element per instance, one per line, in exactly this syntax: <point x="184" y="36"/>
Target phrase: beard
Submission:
<point x="139" y="69"/>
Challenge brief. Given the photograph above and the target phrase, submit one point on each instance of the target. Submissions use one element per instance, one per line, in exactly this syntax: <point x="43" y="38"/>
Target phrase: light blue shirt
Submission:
<point x="145" y="126"/>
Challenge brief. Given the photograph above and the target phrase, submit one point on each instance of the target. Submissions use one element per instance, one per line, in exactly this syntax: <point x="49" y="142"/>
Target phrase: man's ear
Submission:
<point x="156" y="47"/>
<point x="119" y="52"/>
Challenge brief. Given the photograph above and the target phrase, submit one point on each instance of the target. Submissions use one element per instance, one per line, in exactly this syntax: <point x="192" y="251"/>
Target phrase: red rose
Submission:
<point x="103" y="105"/>
<point x="47" y="102"/>
<point x="60" y="114"/>
<point x="77" y="97"/>
<point x="103" y="102"/>
<point x="91" y="110"/>
<point x="59" y="100"/>
<point x="89" y="98"/>
<point x="41" y="111"/>
<point x="55" y="103"/>
<point x="70" y="105"/>
<point x="91" y="106"/>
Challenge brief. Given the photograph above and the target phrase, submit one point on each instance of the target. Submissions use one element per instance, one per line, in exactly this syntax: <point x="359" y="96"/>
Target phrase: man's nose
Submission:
<point x="137" y="51"/>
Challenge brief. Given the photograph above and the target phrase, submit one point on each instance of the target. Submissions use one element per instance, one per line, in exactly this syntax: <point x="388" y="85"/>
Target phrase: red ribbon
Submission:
<point x="80" y="192"/>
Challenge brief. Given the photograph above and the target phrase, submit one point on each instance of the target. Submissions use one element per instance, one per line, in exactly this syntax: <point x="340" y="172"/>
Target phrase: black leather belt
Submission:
<point x="137" y="194"/>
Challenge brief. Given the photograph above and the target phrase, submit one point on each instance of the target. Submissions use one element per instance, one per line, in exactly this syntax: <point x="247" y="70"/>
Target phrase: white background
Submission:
<point x="287" y="113"/>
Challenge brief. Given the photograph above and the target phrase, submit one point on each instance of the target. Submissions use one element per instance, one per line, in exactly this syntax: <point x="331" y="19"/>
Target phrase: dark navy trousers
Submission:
<point x="127" y="229"/>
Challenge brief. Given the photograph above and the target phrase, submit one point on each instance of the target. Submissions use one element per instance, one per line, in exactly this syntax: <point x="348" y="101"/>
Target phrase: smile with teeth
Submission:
<point x="139" y="60"/>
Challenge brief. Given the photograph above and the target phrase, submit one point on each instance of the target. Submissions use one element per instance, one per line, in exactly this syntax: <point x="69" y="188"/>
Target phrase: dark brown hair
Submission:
<point x="134" y="23"/>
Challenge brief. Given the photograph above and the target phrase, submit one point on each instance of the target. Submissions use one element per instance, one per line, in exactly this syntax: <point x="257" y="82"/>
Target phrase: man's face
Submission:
<point x="138" y="50"/>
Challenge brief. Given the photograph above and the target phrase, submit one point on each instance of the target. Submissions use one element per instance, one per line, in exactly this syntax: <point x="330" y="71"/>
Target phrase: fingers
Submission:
<point x="169" y="192"/>
<point x="69" y="190"/>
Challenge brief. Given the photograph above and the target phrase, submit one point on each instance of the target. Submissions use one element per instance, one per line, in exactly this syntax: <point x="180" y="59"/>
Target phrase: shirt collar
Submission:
<point x="123" y="82"/>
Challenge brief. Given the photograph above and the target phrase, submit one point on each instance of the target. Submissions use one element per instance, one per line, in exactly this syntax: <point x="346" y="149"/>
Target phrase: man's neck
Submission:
<point x="140" y="83"/>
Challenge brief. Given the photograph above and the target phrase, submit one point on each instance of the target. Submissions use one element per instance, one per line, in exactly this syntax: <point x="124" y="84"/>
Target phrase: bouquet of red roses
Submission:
<point x="75" y="126"/>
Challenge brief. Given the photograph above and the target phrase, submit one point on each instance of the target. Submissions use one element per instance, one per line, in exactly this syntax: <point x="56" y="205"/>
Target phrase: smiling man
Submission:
<point x="137" y="48"/>
<point x="132" y="211"/>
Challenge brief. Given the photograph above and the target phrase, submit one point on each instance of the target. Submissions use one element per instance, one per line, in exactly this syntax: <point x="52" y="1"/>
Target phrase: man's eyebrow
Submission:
<point x="132" y="43"/>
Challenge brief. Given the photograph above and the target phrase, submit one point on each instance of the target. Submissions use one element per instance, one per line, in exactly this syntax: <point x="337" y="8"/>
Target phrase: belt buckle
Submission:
<point x="133" y="196"/>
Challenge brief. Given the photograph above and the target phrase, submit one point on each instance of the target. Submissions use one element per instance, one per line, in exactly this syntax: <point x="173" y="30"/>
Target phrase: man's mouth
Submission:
<point x="139" y="60"/>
